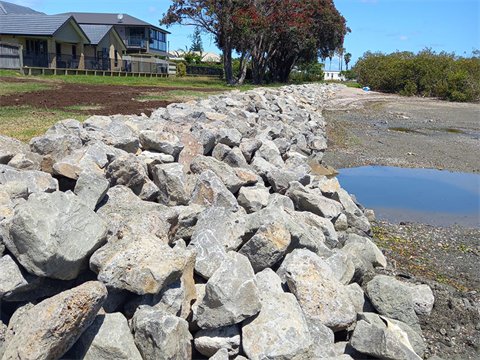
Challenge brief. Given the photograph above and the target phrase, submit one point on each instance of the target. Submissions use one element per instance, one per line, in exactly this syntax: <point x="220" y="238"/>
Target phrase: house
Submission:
<point x="104" y="52"/>
<point x="138" y="36"/>
<point x="333" y="75"/>
<point x="48" y="41"/>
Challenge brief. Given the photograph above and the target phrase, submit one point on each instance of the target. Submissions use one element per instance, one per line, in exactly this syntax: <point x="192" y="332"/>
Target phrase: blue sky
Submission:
<point x="377" y="25"/>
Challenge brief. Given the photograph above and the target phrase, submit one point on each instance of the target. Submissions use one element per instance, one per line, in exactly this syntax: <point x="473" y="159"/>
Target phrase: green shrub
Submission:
<point x="181" y="70"/>
<point x="441" y="75"/>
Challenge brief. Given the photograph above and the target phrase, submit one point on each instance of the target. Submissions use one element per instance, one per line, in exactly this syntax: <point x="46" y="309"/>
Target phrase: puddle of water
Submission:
<point x="404" y="129"/>
<point x="428" y="196"/>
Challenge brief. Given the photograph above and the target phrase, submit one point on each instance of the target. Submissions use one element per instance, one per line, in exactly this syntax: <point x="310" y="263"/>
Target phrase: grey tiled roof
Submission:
<point x="109" y="19"/>
<point x="45" y="25"/>
<point x="7" y="8"/>
<point x="96" y="32"/>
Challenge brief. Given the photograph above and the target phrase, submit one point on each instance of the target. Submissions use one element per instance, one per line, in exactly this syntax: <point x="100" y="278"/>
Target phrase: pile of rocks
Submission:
<point x="198" y="232"/>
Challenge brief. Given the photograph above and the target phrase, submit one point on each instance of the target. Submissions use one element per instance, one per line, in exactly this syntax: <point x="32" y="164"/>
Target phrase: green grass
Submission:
<point x="9" y="73"/>
<point x="84" y="107"/>
<point x="26" y="122"/>
<point x="11" y="87"/>
<point x="353" y="85"/>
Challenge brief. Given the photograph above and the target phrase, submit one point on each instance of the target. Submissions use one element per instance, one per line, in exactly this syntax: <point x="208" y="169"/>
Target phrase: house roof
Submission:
<point x="96" y="33"/>
<point x="7" y="8"/>
<point x="38" y="25"/>
<point x="110" y="19"/>
<point x="207" y="56"/>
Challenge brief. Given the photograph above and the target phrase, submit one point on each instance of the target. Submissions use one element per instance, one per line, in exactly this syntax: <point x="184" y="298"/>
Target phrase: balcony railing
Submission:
<point x="136" y="42"/>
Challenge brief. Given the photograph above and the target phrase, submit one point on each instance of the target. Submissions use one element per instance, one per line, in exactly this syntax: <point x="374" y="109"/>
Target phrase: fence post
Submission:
<point x="20" y="56"/>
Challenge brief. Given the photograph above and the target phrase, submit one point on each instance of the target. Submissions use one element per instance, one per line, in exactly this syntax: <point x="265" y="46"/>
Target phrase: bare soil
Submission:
<point x="370" y="128"/>
<point x="95" y="99"/>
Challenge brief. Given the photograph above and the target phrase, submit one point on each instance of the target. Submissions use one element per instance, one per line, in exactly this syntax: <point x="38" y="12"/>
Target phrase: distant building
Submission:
<point x="333" y="75"/>
<point x="206" y="56"/>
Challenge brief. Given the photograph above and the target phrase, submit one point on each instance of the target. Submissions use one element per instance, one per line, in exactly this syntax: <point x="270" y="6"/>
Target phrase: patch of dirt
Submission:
<point x="113" y="99"/>
<point x="369" y="128"/>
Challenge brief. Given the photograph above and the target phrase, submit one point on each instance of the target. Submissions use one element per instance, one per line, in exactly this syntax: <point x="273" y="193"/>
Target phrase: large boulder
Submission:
<point x="231" y="294"/>
<point x="36" y="181"/>
<point x="50" y="328"/>
<point x="280" y="330"/>
<point x="211" y="191"/>
<point x="160" y="335"/>
<point x="171" y="179"/>
<point x="108" y="338"/>
<point x="54" y="235"/>
<point x="209" y="342"/>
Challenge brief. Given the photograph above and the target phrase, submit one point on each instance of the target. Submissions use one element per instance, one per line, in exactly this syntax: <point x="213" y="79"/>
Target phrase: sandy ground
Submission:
<point x="370" y="128"/>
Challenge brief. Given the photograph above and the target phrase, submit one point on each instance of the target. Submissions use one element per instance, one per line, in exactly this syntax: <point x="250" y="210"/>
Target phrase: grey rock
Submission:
<point x="267" y="246"/>
<point x="322" y="224"/>
<point x="221" y="354"/>
<point x="186" y="221"/>
<point x="210" y="342"/>
<point x="253" y="199"/>
<point x="141" y="264"/>
<point x="45" y="233"/>
<point x="279" y="331"/>
<point x="160" y="335"/>
<point x="423" y="299"/>
<point x="249" y="147"/>
<point x="320" y="295"/>
<point x="26" y="161"/>
<point x="323" y="338"/>
<point x="127" y="171"/>
<point x="224" y="172"/>
<point x="211" y="191"/>
<point x="161" y="141"/>
<point x="262" y="167"/>
<point x="371" y="327"/>
<point x="14" y="190"/>
<point x="67" y="127"/>
<point x="108" y="338"/>
<point x="281" y="178"/>
<point x="231" y="294"/>
<point x="309" y="200"/>
<point x="36" y="181"/>
<point x="11" y="277"/>
<point x="50" y="328"/>
<point x="91" y="187"/>
<point x="226" y="226"/>
<point x="359" y="300"/>
<point x="393" y="299"/>
<point x="191" y="148"/>
<point x="229" y="137"/>
<point x="210" y="253"/>
<point x="172" y="182"/>
<point x="342" y="266"/>
<point x="269" y="281"/>
<point x="355" y="216"/>
<point x="341" y="223"/>
<point x="270" y="152"/>
<point x="9" y="147"/>
<point x="58" y="146"/>
<point x="206" y="138"/>
<point x="278" y="200"/>
<point x="155" y="158"/>
<point x="232" y="157"/>
<point x="364" y="249"/>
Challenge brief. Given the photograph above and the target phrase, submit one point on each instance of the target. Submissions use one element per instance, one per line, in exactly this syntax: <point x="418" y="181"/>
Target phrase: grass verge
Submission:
<point x="25" y="122"/>
<point x="7" y="88"/>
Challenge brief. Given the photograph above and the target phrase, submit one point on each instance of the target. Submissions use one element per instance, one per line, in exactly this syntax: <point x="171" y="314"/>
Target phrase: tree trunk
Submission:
<point x="227" y="62"/>
<point x="243" y="69"/>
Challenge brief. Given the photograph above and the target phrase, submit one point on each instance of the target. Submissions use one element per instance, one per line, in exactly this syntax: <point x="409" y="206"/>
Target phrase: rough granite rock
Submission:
<point x="221" y="354"/>
<point x="210" y="253"/>
<point x="9" y="147"/>
<point x="58" y="146"/>
<point x="210" y="191"/>
<point x="141" y="264"/>
<point x="395" y="344"/>
<point x="280" y="330"/>
<point x="209" y="342"/>
<point x="191" y="148"/>
<point x="160" y="335"/>
<point x="231" y="294"/>
<point x="423" y="299"/>
<point x="161" y="141"/>
<point x="171" y="179"/>
<point x="36" y="181"/>
<point x="253" y="198"/>
<point x="392" y="299"/>
<point x="267" y="246"/>
<point x="268" y="280"/>
<point x="50" y="328"/>
<point x="54" y="234"/>
<point x="320" y="295"/>
<point x="223" y="171"/>
<point x="108" y="338"/>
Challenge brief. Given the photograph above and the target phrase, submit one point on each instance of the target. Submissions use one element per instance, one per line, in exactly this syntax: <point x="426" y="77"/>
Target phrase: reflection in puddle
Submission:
<point x="434" y="197"/>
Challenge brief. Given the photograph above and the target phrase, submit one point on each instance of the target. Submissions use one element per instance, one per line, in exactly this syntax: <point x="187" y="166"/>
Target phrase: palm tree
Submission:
<point x="331" y="54"/>
<point x="348" y="57"/>
<point x="339" y="52"/>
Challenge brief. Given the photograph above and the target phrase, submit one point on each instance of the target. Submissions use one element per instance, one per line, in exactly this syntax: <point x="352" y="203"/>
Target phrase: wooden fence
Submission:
<point x="10" y="56"/>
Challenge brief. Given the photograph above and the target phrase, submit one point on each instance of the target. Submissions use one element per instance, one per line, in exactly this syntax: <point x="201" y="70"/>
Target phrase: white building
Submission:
<point x="206" y="56"/>
<point x="333" y="75"/>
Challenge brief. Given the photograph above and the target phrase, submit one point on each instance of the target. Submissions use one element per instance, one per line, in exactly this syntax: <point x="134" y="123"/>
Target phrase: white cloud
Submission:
<point x="402" y="38"/>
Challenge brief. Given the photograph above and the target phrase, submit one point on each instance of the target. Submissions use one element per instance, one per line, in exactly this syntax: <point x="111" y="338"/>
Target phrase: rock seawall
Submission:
<point x="198" y="232"/>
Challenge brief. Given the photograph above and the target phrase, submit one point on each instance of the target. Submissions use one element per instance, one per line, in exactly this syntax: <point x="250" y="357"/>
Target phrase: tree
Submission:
<point x="197" y="44"/>
<point x="348" y="58"/>
<point x="331" y="54"/>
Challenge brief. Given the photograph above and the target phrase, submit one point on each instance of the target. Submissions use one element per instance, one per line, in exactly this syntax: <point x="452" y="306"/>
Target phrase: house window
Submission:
<point x="74" y="51"/>
<point x="37" y="46"/>
<point x="58" y="48"/>
<point x="158" y="40"/>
